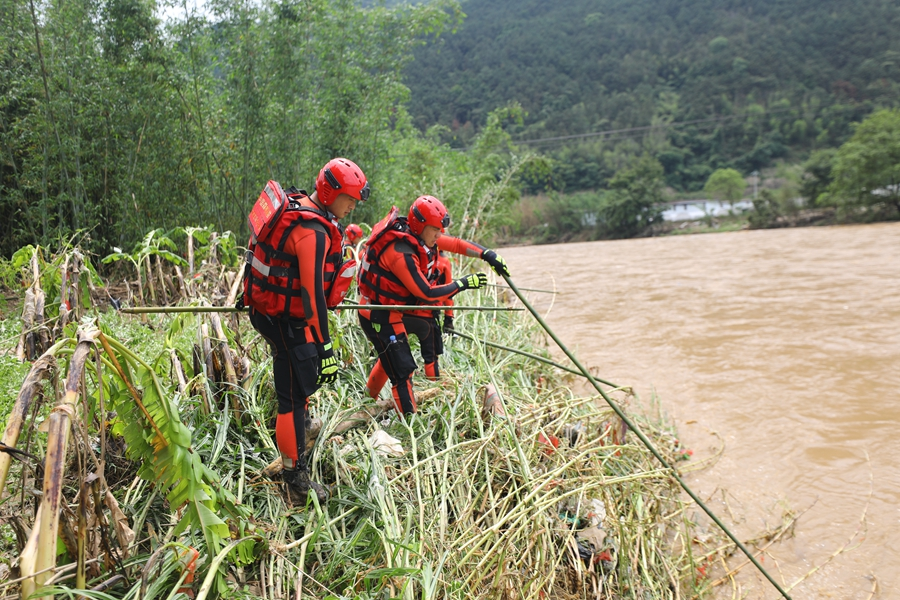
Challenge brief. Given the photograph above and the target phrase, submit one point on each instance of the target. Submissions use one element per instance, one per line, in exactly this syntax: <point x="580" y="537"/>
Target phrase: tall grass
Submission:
<point x="480" y="504"/>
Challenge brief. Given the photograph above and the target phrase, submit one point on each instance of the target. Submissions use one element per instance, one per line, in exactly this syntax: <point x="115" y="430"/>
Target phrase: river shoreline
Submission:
<point x="805" y="217"/>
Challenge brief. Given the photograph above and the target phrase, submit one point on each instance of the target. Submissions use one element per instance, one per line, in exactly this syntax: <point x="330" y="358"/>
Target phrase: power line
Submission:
<point x="628" y="130"/>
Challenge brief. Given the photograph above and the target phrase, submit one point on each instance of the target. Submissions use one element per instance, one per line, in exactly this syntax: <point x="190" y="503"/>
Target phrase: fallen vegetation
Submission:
<point x="145" y="461"/>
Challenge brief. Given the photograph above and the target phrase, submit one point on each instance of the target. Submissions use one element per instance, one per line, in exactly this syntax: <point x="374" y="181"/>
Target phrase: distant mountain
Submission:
<point x="777" y="77"/>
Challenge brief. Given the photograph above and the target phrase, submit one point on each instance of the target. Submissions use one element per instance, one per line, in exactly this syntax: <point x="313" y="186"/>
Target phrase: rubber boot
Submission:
<point x="299" y="486"/>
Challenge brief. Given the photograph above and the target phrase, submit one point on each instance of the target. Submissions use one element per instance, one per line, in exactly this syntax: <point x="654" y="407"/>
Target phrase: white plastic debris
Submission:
<point x="596" y="512"/>
<point x="386" y="445"/>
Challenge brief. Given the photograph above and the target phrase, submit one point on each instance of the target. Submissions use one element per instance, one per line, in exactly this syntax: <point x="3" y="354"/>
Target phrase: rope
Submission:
<point x="528" y="354"/>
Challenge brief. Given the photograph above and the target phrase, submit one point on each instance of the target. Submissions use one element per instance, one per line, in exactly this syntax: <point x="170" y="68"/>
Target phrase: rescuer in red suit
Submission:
<point x="400" y="265"/>
<point x="293" y="278"/>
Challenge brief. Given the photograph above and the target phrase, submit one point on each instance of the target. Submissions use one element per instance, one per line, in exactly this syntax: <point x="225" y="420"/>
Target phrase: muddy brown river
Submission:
<point x="782" y="344"/>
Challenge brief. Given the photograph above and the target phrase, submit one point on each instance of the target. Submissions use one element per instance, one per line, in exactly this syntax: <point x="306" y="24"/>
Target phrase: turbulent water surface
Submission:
<point x="782" y="344"/>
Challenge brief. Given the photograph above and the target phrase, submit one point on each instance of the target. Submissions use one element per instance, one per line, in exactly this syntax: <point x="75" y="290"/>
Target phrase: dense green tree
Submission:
<point x="114" y="124"/>
<point x="632" y="203"/>
<point x="817" y="174"/>
<point x="725" y="184"/>
<point x="766" y="210"/>
<point x="867" y="168"/>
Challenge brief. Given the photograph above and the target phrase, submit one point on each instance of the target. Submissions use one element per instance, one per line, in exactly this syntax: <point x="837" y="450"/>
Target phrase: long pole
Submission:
<point x="644" y="439"/>
<point x="141" y="310"/>
<point x="503" y="287"/>
<point x="530" y="355"/>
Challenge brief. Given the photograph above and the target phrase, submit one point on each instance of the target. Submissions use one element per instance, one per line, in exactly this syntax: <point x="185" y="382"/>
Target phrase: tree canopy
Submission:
<point x="114" y="124"/>
<point x="866" y="169"/>
<point x="725" y="184"/>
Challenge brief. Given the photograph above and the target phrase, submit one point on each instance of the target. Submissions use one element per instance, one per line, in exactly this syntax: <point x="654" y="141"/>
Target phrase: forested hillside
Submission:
<point x="756" y="80"/>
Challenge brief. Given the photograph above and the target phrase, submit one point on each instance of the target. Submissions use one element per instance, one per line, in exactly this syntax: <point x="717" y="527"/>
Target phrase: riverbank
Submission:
<point x="757" y="218"/>
<point x="807" y="217"/>
<point x="506" y="481"/>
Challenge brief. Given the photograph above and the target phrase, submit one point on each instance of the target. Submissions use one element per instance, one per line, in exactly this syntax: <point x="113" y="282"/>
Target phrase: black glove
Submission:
<point x="448" y="324"/>
<point x="328" y="365"/>
<point x="239" y="303"/>
<point x="497" y="263"/>
<point x="472" y="282"/>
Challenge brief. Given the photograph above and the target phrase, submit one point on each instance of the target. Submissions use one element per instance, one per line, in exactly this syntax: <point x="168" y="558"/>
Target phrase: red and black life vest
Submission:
<point x="272" y="276"/>
<point x="377" y="284"/>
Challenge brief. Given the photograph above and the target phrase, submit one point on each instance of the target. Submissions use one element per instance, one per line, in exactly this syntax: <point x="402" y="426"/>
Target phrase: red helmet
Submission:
<point x="427" y="210"/>
<point x="341" y="176"/>
<point x="353" y="233"/>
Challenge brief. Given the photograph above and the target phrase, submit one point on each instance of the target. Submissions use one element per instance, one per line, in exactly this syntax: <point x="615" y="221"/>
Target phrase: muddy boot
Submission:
<point x="299" y="486"/>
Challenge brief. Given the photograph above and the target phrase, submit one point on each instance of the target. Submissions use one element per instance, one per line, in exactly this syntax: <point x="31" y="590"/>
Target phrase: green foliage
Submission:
<point x="9" y="277"/>
<point x="12" y="371"/>
<point x="120" y="124"/>
<point x="632" y="203"/>
<point x="479" y="187"/>
<point x="563" y="216"/>
<point x="866" y="169"/>
<point x="817" y="174"/>
<point x="766" y="210"/>
<point x="161" y="443"/>
<point x="725" y="184"/>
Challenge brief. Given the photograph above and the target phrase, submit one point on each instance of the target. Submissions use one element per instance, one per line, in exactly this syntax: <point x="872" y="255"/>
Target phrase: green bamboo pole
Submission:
<point x="644" y="439"/>
<point x="141" y="310"/>
<point x="529" y="355"/>
<point x="503" y="287"/>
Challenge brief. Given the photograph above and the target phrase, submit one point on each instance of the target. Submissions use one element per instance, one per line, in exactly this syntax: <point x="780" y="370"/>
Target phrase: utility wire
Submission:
<point x="629" y="131"/>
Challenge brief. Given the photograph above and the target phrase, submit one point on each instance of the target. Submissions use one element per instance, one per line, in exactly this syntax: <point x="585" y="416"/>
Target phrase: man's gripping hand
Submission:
<point x="328" y="365"/>
<point x="472" y="282"/>
<point x="497" y="263"/>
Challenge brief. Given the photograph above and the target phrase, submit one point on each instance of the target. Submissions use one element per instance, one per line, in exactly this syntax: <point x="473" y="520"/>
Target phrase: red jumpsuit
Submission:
<point x="430" y="283"/>
<point x="295" y="341"/>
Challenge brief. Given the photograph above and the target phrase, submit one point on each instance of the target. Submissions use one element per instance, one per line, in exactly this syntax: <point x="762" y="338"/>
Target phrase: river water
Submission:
<point x="782" y="344"/>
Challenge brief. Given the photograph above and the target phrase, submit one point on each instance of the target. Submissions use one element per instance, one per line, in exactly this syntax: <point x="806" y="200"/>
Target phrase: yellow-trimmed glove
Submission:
<point x="328" y="365"/>
<point x="496" y="261"/>
<point x="472" y="282"/>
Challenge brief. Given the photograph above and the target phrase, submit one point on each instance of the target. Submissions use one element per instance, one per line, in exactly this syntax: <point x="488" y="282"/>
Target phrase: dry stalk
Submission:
<point x="182" y="286"/>
<point x="30" y="388"/>
<point x="180" y="379"/>
<point x="871" y="576"/>
<point x="149" y="269"/>
<point x="227" y="358"/>
<point x="860" y="527"/>
<point x="54" y="465"/>
<point x="235" y="288"/>
<point x="162" y="280"/>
